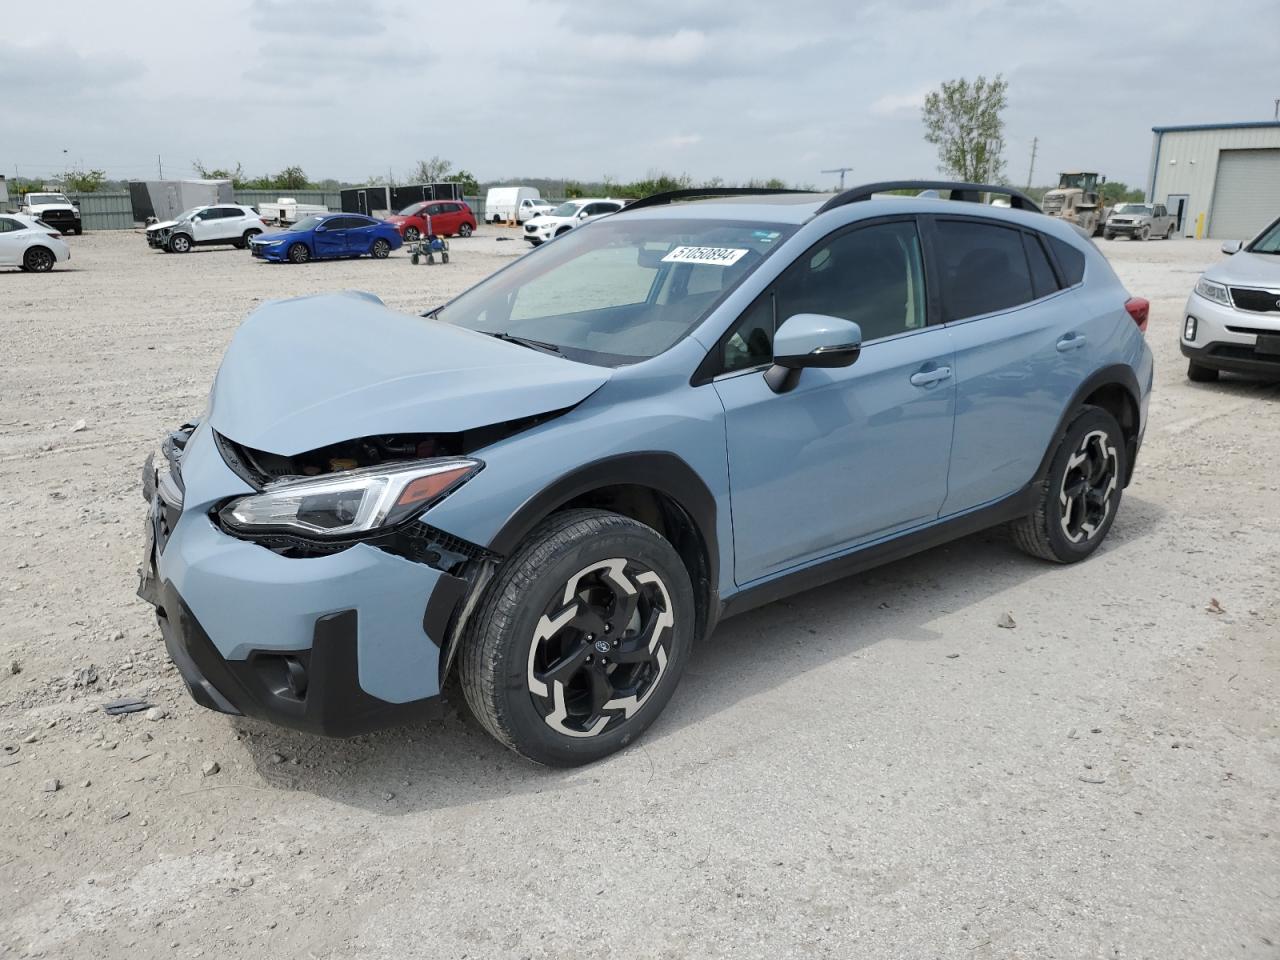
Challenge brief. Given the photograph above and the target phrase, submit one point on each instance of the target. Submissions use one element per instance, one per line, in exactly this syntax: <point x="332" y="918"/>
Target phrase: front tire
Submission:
<point x="1199" y="373"/>
<point x="380" y="250"/>
<point x="1077" y="499"/>
<point x="179" y="243"/>
<point x="411" y="234"/>
<point x="299" y="253"/>
<point x="1144" y="234"/>
<point x="1108" y="236"/>
<point x="38" y="260"/>
<point x="580" y="639"/>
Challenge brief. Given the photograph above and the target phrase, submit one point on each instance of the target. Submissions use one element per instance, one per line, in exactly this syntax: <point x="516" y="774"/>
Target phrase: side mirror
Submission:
<point x="811" y="340"/>
<point x="75" y="203"/>
<point x="1231" y="247"/>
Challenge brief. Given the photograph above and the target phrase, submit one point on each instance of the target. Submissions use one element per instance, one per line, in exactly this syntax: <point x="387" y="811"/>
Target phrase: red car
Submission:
<point x="448" y="218"/>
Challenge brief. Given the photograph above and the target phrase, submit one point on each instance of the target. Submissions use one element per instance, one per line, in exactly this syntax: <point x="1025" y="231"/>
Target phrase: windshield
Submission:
<point x="618" y="291"/>
<point x="187" y="214"/>
<point x="47" y="198"/>
<point x="307" y="223"/>
<point x="1268" y="241"/>
<point x="1137" y="209"/>
<point x="412" y="208"/>
<point x="566" y="209"/>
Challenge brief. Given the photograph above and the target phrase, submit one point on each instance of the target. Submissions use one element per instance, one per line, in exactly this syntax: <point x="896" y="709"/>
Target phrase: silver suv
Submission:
<point x="1140" y="221"/>
<point x="1232" y="319"/>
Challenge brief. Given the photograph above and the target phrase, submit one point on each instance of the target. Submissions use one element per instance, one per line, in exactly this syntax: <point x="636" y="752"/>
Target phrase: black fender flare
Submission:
<point x="454" y="599"/>
<point x="1119" y="375"/>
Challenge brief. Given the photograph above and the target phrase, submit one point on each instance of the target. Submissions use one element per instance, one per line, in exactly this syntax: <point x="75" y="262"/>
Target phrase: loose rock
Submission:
<point x="209" y="768"/>
<point x="1006" y="622"/>
<point x="52" y="785"/>
<point x="79" y="426"/>
<point x="155" y="713"/>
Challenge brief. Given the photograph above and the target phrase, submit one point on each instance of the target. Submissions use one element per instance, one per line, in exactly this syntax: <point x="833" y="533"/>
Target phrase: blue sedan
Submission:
<point x="328" y="237"/>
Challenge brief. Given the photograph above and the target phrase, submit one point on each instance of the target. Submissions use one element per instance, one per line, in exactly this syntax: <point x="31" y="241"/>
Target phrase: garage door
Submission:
<point x="1246" y="195"/>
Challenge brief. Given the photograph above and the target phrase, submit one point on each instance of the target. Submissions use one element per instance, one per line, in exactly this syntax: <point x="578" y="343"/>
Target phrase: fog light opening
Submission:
<point x="1189" y="329"/>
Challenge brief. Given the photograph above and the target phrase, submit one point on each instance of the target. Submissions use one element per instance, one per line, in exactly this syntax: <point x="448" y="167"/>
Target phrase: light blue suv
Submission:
<point x="551" y="487"/>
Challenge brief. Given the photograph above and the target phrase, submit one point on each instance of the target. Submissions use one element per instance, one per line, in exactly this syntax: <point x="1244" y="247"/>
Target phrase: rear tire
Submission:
<point x="1199" y="373"/>
<point x="1168" y="234"/>
<point x="38" y="260"/>
<point x="1077" y="498"/>
<point x="380" y="250"/>
<point x="299" y="253"/>
<point x="580" y="639"/>
<point x="464" y="230"/>
<point x="1108" y="236"/>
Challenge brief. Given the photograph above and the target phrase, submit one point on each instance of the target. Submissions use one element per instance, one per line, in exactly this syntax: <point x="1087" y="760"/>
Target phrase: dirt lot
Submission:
<point x="871" y="770"/>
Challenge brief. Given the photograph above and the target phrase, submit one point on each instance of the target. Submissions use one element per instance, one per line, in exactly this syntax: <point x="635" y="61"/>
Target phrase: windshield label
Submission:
<point x="715" y="256"/>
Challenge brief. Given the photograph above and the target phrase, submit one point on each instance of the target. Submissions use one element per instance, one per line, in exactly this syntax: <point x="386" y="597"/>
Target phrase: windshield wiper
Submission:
<point x="532" y="344"/>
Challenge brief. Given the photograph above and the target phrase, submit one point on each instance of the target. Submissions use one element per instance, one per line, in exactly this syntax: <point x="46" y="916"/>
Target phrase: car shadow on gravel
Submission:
<point x="448" y="760"/>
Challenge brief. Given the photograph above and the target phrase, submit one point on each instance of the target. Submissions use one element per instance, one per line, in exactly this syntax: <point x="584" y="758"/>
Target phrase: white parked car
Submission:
<point x="30" y="244"/>
<point x="223" y="223"/>
<point x="567" y="216"/>
<point x="55" y="210"/>
<point x="1232" y="318"/>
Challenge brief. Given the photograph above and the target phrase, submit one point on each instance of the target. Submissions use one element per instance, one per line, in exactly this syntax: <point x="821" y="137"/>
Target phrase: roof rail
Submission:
<point x="971" y="192"/>
<point x="701" y="193"/>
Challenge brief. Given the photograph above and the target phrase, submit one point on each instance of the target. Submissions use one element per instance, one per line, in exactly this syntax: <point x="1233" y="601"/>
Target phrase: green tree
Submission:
<point x="1115" y="191"/>
<point x="83" y="181"/>
<point x="963" y="120"/>
<point x="290" y="178"/>
<point x="435" y="170"/>
<point x="470" y="185"/>
<point x="236" y="176"/>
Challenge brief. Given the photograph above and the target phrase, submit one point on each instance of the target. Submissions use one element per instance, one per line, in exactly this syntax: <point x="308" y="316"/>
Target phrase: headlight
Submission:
<point x="1213" y="291"/>
<point x="348" y="504"/>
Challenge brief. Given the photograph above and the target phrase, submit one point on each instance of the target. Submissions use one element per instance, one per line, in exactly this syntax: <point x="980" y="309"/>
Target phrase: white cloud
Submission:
<point x="892" y="103"/>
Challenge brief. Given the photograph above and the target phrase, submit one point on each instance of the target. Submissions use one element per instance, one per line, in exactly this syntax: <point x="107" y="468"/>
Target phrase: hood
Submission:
<point x="302" y="374"/>
<point x="162" y="225"/>
<point x="273" y="235"/>
<point x="1249" y="269"/>
<point x="396" y="218"/>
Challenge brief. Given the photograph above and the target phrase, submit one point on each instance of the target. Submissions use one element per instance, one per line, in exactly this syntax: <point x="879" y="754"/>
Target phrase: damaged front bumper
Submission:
<point x="336" y="644"/>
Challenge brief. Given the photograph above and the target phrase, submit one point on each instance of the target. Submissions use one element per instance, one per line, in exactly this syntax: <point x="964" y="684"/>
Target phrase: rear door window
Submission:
<point x="982" y="267"/>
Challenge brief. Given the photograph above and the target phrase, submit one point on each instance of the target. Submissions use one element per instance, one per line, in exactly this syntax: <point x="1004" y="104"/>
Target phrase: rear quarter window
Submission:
<point x="1070" y="261"/>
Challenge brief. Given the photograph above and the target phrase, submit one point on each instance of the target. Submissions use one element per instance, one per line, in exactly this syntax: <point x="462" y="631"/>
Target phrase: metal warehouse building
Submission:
<point x="1220" y="179"/>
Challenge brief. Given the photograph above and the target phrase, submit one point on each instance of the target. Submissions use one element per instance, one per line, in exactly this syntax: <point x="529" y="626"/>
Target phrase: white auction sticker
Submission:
<point x="715" y="256"/>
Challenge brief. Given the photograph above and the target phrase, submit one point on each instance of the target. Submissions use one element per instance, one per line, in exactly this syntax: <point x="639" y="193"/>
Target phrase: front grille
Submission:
<point x="531" y="228"/>
<point x="1257" y="301"/>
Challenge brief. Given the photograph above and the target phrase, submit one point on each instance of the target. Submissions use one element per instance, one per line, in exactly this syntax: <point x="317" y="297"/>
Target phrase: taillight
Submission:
<point x="55" y="235"/>
<point x="1140" y="310"/>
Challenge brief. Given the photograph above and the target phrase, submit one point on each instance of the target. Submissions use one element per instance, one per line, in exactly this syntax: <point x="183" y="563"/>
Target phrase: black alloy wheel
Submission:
<point x="38" y="260"/>
<point x="601" y="647"/>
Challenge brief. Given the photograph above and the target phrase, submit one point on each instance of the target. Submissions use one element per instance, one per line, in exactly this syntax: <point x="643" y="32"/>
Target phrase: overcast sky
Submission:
<point x="562" y="89"/>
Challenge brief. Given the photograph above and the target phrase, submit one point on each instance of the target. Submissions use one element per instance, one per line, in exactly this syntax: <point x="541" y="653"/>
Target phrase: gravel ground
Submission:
<point x="874" y="769"/>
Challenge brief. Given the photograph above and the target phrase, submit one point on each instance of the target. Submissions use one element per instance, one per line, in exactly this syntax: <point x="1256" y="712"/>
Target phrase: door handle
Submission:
<point x="1073" y="341"/>
<point x="926" y="377"/>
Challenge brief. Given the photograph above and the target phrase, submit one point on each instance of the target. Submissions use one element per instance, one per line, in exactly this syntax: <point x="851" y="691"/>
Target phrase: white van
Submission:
<point x="513" y="203"/>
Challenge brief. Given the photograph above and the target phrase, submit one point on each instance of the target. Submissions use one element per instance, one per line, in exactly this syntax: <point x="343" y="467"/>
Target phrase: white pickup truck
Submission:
<point x="55" y="210"/>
